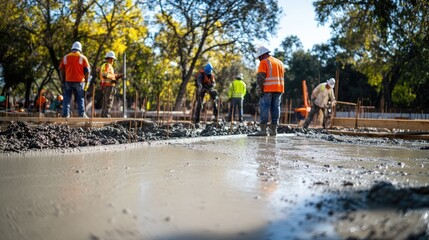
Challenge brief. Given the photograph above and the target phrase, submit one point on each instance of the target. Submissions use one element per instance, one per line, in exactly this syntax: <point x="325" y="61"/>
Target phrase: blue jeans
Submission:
<point x="236" y="105"/>
<point x="270" y="102"/>
<point x="79" y="94"/>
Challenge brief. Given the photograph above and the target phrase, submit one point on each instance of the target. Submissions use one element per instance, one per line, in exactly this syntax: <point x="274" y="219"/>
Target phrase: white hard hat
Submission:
<point x="110" y="54"/>
<point x="77" y="46"/>
<point x="331" y="82"/>
<point x="261" y="51"/>
<point x="239" y="76"/>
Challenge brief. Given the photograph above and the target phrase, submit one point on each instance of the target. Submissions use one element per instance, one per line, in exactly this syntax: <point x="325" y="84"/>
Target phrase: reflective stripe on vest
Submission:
<point x="107" y="75"/>
<point x="274" y="83"/>
<point x="80" y="60"/>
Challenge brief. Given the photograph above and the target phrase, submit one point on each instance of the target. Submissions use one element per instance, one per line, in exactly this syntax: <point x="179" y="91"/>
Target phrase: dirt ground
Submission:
<point x="209" y="183"/>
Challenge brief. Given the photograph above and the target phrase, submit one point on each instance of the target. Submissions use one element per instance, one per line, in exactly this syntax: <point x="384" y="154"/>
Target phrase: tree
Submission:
<point x="17" y="48"/>
<point x="190" y="29"/>
<point x="382" y="37"/>
<point x="289" y="45"/>
<point x="39" y="32"/>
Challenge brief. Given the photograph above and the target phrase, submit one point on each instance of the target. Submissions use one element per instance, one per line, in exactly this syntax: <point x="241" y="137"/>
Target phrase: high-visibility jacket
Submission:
<point x="204" y="79"/>
<point x="237" y="89"/>
<point x="41" y="100"/>
<point x="274" y="74"/>
<point x="75" y="65"/>
<point x="321" y="95"/>
<point x="107" y="75"/>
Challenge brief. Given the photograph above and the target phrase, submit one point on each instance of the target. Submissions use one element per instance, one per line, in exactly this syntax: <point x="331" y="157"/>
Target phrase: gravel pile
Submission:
<point x="20" y="137"/>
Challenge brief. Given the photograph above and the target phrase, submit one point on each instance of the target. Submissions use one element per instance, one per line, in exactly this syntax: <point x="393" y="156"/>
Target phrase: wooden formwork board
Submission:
<point x="409" y="125"/>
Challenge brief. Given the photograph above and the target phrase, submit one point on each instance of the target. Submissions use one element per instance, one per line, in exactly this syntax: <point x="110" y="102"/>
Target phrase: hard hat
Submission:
<point x="60" y="97"/>
<point x="208" y="68"/>
<point x="77" y="46"/>
<point x="331" y="82"/>
<point x="110" y="54"/>
<point x="261" y="51"/>
<point x="239" y="76"/>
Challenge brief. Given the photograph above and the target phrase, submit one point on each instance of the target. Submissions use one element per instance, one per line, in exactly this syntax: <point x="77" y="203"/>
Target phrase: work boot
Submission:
<point x="305" y="126"/>
<point x="262" y="132"/>
<point x="273" y="129"/>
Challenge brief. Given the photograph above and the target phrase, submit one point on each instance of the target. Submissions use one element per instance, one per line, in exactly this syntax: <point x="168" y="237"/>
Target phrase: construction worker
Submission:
<point x="108" y="83"/>
<point x="269" y="88"/>
<point x="41" y="102"/>
<point x="74" y="72"/>
<point x="236" y="92"/>
<point x="57" y="104"/>
<point x="205" y="84"/>
<point x="320" y="97"/>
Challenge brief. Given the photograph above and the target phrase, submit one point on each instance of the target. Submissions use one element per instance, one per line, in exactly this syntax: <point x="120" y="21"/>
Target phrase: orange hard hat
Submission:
<point x="60" y="97"/>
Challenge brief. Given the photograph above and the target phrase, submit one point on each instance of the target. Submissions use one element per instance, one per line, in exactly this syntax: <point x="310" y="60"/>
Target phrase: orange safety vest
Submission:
<point x="107" y="75"/>
<point x="206" y="79"/>
<point x="41" y="100"/>
<point x="74" y="65"/>
<point x="274" y="72"/>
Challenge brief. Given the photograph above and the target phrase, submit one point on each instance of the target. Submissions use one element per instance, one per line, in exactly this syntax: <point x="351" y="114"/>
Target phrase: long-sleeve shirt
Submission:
<point x="237" y="89"/>
<point x="322" y="95"/>
<point x="107" y="75"/>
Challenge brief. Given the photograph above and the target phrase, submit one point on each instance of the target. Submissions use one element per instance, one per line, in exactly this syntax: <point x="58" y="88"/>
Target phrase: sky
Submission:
<point x="298" y="18"/>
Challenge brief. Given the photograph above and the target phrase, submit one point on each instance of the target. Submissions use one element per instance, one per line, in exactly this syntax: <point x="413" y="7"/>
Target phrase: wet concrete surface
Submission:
<point x="294" y="186"/>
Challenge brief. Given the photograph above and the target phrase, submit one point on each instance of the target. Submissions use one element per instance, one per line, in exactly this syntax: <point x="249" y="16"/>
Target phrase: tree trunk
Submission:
<point x="181" y="93"/>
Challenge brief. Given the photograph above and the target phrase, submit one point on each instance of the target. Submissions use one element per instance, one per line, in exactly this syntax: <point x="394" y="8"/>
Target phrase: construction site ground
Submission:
<point x="141" y="181"/>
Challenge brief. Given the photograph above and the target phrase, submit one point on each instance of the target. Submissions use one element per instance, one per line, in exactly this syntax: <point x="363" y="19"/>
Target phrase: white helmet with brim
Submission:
<point x="110" y="54"/>
<point x="331" y="82"/>
<point x="261" y="51"/>
<point x="77" y="46"/>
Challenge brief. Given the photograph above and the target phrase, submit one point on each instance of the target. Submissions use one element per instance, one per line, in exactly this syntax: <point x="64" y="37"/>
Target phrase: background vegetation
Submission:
<point x="379" y="48"/>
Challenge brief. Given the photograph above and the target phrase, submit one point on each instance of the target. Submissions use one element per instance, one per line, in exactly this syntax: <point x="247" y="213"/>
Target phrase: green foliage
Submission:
<point x="191" y="30"/>
<point x="380" y="47"/>
<point x="381" y="37"/>
<point x="403" y="95"/>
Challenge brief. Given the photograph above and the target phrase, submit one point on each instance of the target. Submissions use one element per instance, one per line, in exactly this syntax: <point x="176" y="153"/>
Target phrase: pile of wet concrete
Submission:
<point x="20" y="136"/>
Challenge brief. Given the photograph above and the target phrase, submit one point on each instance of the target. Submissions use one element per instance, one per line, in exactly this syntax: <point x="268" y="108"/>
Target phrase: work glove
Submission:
<point x="86" y="86"/>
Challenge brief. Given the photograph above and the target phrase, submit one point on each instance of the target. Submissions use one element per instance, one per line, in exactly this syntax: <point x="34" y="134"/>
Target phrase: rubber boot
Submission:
<point x="262" y="132"/>
<point x="305" y="126"/>
<point x="273" y="129"/>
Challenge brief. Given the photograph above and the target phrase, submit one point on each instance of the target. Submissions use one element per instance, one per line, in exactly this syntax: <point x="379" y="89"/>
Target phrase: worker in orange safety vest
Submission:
<point x="205" y="83"/>
<point x="108" y="83"/>
<point x="269" y="88"/>
<point x="74" y="73"/>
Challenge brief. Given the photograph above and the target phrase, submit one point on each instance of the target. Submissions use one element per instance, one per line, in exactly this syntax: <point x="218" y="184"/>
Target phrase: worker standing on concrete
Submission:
<point x="74" y="73"/>
<point x="236" y="92"/>
<point x="108" y="83"/>
<point x="269" y="88"/>
<point x="320" y="97"/>
<point x="41" y="102"/>
<point x="205" y="82"/>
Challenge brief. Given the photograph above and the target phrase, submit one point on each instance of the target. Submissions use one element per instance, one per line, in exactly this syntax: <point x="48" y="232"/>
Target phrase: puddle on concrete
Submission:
<point x="217" y="188"/>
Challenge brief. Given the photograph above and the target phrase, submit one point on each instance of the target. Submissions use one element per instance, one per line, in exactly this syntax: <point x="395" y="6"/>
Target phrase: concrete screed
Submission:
<point x="234" y="187"/>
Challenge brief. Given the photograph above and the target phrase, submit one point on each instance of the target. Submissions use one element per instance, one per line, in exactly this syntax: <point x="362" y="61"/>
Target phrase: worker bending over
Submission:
<point x="320" y="97"/>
